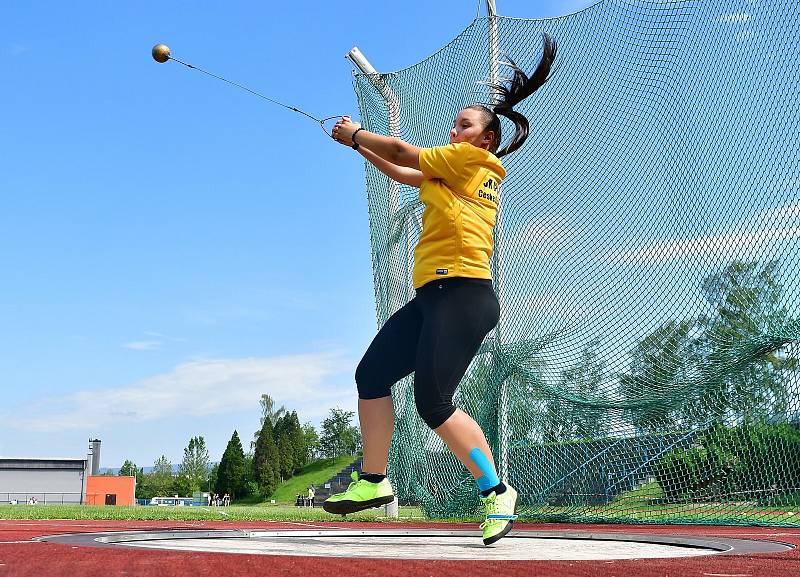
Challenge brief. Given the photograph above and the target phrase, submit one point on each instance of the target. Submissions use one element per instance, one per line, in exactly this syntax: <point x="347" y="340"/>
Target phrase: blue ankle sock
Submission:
<point x="489" y="480"/>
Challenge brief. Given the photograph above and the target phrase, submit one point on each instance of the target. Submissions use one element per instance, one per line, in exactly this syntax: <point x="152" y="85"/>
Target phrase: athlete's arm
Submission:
<point x="401" y="174"/>
<point x="388" y="148"/>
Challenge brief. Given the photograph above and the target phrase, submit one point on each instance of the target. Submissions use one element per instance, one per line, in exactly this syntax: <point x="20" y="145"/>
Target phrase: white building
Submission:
<point x="53" y="480"/>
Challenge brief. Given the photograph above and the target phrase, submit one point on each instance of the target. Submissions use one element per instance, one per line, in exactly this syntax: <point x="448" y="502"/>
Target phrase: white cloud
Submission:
<point x="543" y="236"/>
<point x="719" y="245"/>
<point x="153" y="342"/>
<point x="143" y="345"/>
<point x="785" y="183"/>
<point x="566" y="306"/>
<point x="735" y="17"/>
<point x="162" y="337"/>
<point x="744" y="35"/>
<point x="17" y="49"/>
<point x="782" y="213"/>
<point x="199" y="388"/>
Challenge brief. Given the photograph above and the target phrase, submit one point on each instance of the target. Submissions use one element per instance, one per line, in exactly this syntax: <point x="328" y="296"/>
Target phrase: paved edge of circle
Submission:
<point x="717" y="545"/>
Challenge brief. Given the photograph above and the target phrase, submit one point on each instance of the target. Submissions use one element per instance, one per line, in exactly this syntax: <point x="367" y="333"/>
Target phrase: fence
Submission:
<point x="24" y="497"/>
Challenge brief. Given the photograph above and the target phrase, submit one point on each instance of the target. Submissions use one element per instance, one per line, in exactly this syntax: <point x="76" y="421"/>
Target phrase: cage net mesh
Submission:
<point x="645" y="367"/>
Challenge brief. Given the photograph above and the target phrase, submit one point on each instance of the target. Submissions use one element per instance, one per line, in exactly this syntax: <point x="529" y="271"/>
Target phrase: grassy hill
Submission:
<point x="315" y="474"/>
<point x="643" y="495"/>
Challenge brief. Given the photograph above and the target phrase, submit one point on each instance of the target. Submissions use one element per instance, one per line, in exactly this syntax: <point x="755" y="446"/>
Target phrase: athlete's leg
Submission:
<point x="389" y="358"/>
<point x="457" y="317"/>
<point x="377" y="425"/>
<point x="463" y="435"/>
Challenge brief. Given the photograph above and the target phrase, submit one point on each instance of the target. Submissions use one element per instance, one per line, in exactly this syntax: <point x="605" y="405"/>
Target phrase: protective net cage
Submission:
<point x="645" y="367"/>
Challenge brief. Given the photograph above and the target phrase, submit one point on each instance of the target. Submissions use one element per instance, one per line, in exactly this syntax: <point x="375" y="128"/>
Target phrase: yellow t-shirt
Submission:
<point x="460" y="192"/>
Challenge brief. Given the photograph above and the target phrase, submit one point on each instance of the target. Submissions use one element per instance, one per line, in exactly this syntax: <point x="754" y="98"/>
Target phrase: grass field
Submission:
<point x="677" y="514"/>
<point x="232" y="513"/>
<point x="674" y="513"/>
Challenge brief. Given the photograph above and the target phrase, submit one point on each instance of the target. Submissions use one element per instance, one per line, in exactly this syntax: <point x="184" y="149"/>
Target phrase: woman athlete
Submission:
<point x="438" y="332"/>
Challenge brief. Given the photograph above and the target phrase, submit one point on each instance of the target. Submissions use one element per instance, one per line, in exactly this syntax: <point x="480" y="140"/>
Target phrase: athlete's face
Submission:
<point x="469" y="127"/>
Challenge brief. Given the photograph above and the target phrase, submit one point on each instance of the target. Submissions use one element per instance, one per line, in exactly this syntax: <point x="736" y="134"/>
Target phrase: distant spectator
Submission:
<point x="311" y="496"/>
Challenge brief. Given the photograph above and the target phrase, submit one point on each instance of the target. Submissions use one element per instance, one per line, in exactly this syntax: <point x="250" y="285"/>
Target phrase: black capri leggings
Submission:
<point x="435" y="335"/>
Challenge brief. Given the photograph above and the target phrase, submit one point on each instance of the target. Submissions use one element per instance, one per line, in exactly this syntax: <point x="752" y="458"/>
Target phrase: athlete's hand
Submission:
<point x="344" y="129"/>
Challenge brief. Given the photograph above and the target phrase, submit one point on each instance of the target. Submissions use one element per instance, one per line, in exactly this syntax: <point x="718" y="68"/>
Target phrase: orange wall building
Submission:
<point x="102" y="490"/>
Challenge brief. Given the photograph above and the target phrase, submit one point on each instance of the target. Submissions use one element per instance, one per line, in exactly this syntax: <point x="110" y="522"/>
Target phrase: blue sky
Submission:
<point x="172" y="247"/>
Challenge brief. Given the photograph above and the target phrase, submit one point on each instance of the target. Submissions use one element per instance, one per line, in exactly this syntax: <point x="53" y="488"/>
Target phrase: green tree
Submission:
<point x="266" y="460"/>
<point x="569" y="420"/>
<point x="144" y="488"/>
<point x="268" y="411"/>
<point x="285" y="456"/>
<point x="213" y="475"/>
<point x="162" y="466"/>
<point x="278" y="428"/>
<point x="728" y="365"/>
<point x="183" y="486"/>
<point x="311" y="442"/>
<point x="128" y="469"/>
<point x="250" y="484"/>
<point x="662" y="367"/>
<point x="745" y="366"/>
<point x="195" y="464"/>
<point x="289" y="439"/>
<point x="231" y="473"/>
<point x="298" y="440"/>
<point x="290" y="442"/>
<point x="161" y="477"/>
<point x="339" y="437"/>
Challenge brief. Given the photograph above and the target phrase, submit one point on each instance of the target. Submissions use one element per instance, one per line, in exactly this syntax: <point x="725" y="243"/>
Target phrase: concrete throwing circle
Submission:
<point x="428" y="544"/>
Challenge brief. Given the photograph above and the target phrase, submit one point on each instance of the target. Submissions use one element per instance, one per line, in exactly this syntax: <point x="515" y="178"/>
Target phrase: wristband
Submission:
<point x="353" y="138"/>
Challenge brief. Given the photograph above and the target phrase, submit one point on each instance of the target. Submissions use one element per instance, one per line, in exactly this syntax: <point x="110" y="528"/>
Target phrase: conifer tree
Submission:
<point x="286" y="455"/>
<point x="298" y="442"/>
<point x="231" y="473"/>
<point x="266" y="460"/>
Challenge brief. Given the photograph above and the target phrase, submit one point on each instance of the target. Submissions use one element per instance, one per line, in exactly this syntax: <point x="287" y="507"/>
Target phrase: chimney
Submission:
<point x="94" y="446"/>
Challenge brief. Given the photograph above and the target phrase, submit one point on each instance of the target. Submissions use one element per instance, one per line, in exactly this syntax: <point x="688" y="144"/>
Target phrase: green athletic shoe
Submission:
<point x="500" y="515"/>
<point x="360" y="495"/>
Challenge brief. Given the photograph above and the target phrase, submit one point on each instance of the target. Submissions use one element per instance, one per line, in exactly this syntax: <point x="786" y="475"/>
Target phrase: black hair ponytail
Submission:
<point x="519" y="87"/>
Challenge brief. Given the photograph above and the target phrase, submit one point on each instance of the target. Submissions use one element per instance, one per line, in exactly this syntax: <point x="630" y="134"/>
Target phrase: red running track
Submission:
<point x="20" y="556"/>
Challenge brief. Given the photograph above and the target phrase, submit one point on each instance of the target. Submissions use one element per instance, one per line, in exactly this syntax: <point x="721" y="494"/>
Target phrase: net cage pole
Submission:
<point x="397" y="257"/>
<point x="497" y="268"/>
<point x="395" y="270"/>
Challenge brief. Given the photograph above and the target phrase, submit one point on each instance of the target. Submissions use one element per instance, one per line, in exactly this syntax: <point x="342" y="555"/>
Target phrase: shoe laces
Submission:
<point x="356" y="480"/>
<point x="490" y="503"/>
